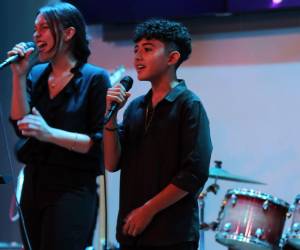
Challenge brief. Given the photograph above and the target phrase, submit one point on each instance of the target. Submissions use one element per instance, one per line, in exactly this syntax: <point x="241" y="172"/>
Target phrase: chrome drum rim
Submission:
<point x="257" y="194"/>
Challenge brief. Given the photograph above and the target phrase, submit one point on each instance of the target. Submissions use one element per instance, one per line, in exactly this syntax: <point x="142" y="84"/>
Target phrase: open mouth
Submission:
<point x="41" y="46"/>
<point x="140" y="66"/>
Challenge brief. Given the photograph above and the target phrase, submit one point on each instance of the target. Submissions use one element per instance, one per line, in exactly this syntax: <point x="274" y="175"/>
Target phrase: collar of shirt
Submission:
<point x="170" y="97"/>
<point x="41" y="85"/>
<point x="73" y="85"/>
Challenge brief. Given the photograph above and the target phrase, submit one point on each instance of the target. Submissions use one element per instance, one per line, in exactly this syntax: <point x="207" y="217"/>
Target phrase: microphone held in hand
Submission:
<point x="126" y="82"/>
<point x="17" y="57"/>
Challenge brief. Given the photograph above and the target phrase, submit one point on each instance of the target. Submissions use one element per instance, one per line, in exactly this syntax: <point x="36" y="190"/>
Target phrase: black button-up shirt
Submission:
<point x="79" y="107"/>
<point x="173" y="146"/>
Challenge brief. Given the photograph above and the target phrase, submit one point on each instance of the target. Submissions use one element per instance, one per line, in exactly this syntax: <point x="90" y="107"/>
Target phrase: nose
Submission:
<point x="137" y="55"/>
<point x="36" y="34"/>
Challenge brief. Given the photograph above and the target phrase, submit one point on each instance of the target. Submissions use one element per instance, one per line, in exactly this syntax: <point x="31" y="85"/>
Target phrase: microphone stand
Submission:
<point x="204" y="226"/>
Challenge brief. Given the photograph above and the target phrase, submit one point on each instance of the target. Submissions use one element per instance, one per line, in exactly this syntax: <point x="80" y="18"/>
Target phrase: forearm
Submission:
<point x="111" y="144"/>
<point x="76" y="142"/>
<point x="19" y="104"/>
<point x="167" y="197"/>
<point x="138" y="219"/>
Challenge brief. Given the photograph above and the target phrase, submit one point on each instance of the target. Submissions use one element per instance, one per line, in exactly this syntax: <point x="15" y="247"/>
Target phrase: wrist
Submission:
<point x="19" y="76"/>
<point x="19" y="81"/>
<point x="112" y="123"/>
<point x="111" y="129"/>
<point x="50" y="135"/>
<point x="149" y="206"/>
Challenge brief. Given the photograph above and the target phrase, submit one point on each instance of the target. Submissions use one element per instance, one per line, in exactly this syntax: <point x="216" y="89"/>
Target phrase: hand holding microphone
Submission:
<point x="117" y="96"/>
<point x="18" y="57"/>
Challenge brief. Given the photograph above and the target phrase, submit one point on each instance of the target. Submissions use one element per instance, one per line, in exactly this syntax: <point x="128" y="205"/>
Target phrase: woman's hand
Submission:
<point x="21" y="67"/>
<point x="34" y="125"/>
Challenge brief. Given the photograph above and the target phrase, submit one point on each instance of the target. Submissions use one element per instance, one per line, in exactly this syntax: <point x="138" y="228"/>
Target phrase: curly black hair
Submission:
<point x="173" y="34"/>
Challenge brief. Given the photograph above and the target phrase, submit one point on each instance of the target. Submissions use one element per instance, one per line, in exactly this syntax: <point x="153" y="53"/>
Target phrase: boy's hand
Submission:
<point x="116" y="94"/>
<point x="137" y="221"/>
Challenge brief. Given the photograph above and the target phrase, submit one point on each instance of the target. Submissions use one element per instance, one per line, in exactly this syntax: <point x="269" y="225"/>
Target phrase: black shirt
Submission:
<point x="171" y="146"/>
<point x="79" y="107"/>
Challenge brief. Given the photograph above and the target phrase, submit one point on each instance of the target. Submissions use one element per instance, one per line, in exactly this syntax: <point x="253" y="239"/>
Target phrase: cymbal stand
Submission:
<point x="204" y="226"/>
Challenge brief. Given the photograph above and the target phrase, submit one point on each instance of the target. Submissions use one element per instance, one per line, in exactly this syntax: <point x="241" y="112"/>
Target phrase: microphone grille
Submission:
<point x="29" y="45"/>
<point x="127" y="82"/>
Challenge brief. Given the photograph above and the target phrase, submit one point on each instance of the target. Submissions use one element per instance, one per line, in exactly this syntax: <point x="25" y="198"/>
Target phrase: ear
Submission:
<point x="69" y="33"/>
<point x="173" y="57"/>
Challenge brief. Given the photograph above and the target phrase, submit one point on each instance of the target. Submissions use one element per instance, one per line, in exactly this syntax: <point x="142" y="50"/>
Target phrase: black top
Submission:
<point x="171" y="146"/>
<point x="79" y="107"/>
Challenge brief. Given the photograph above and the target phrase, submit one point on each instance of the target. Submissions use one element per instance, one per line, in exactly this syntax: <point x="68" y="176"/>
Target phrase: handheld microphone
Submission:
<point x="17" y="57"/>
<point x="126" y="82"/>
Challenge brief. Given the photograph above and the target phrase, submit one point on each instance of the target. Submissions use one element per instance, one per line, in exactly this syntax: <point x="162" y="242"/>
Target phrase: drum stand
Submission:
<point x="204" y="226"/>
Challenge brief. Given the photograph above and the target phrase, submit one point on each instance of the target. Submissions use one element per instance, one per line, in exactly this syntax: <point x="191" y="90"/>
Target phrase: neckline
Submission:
<point x="62" y="90"/>
<point x="150" y="110"/>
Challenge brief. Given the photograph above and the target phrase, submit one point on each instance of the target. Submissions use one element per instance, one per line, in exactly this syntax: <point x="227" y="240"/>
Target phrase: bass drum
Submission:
<point x="251" y="220"/>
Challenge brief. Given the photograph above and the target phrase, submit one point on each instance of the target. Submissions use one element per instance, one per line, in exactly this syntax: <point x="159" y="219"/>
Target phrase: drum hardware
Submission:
<point x="259" y="233"/>
<point x="296" y="227"/>
<point x="265" y="205"/>
<point x="283" y="240"/>
<point x="284" y="244"/>
<point x="292" y="237"/>
<point x="204" y="226"/>
<point x="233" y="200"/>
<point x="211" y="226"/>
<point x="227" y="227"/>
<point x="291" y="211"/>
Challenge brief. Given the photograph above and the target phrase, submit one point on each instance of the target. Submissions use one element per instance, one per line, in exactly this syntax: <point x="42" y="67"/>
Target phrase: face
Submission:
<point x="43" y="38"/>
<point x="150" y="59"/>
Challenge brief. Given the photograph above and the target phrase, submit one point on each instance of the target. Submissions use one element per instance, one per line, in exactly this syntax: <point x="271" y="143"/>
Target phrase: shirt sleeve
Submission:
<point x="196" y="149"/>
<point x="123" y="132"/>
<point x="96" y="110"/>
<point x="28" y="92"/>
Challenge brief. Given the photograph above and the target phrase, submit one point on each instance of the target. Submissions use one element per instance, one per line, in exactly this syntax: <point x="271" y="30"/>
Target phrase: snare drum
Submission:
<point x="293" y="236"/>
<point x="251" y="220"/>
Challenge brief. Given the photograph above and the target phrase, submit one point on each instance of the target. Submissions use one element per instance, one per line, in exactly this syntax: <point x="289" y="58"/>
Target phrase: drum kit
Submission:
<point x="249" y="219"/>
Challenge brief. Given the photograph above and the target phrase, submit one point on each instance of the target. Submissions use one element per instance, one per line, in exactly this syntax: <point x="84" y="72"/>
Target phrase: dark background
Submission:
<point x="129" y="11"/>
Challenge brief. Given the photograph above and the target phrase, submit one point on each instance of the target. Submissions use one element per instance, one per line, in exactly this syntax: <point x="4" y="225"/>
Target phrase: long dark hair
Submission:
<point x="60" y="16"/>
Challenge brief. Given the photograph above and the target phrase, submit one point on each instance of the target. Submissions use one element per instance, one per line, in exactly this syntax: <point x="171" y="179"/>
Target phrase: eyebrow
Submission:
<point x="42" y="22"/>
<point x="39" y="24"/>
<point x="144" y="44"/>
